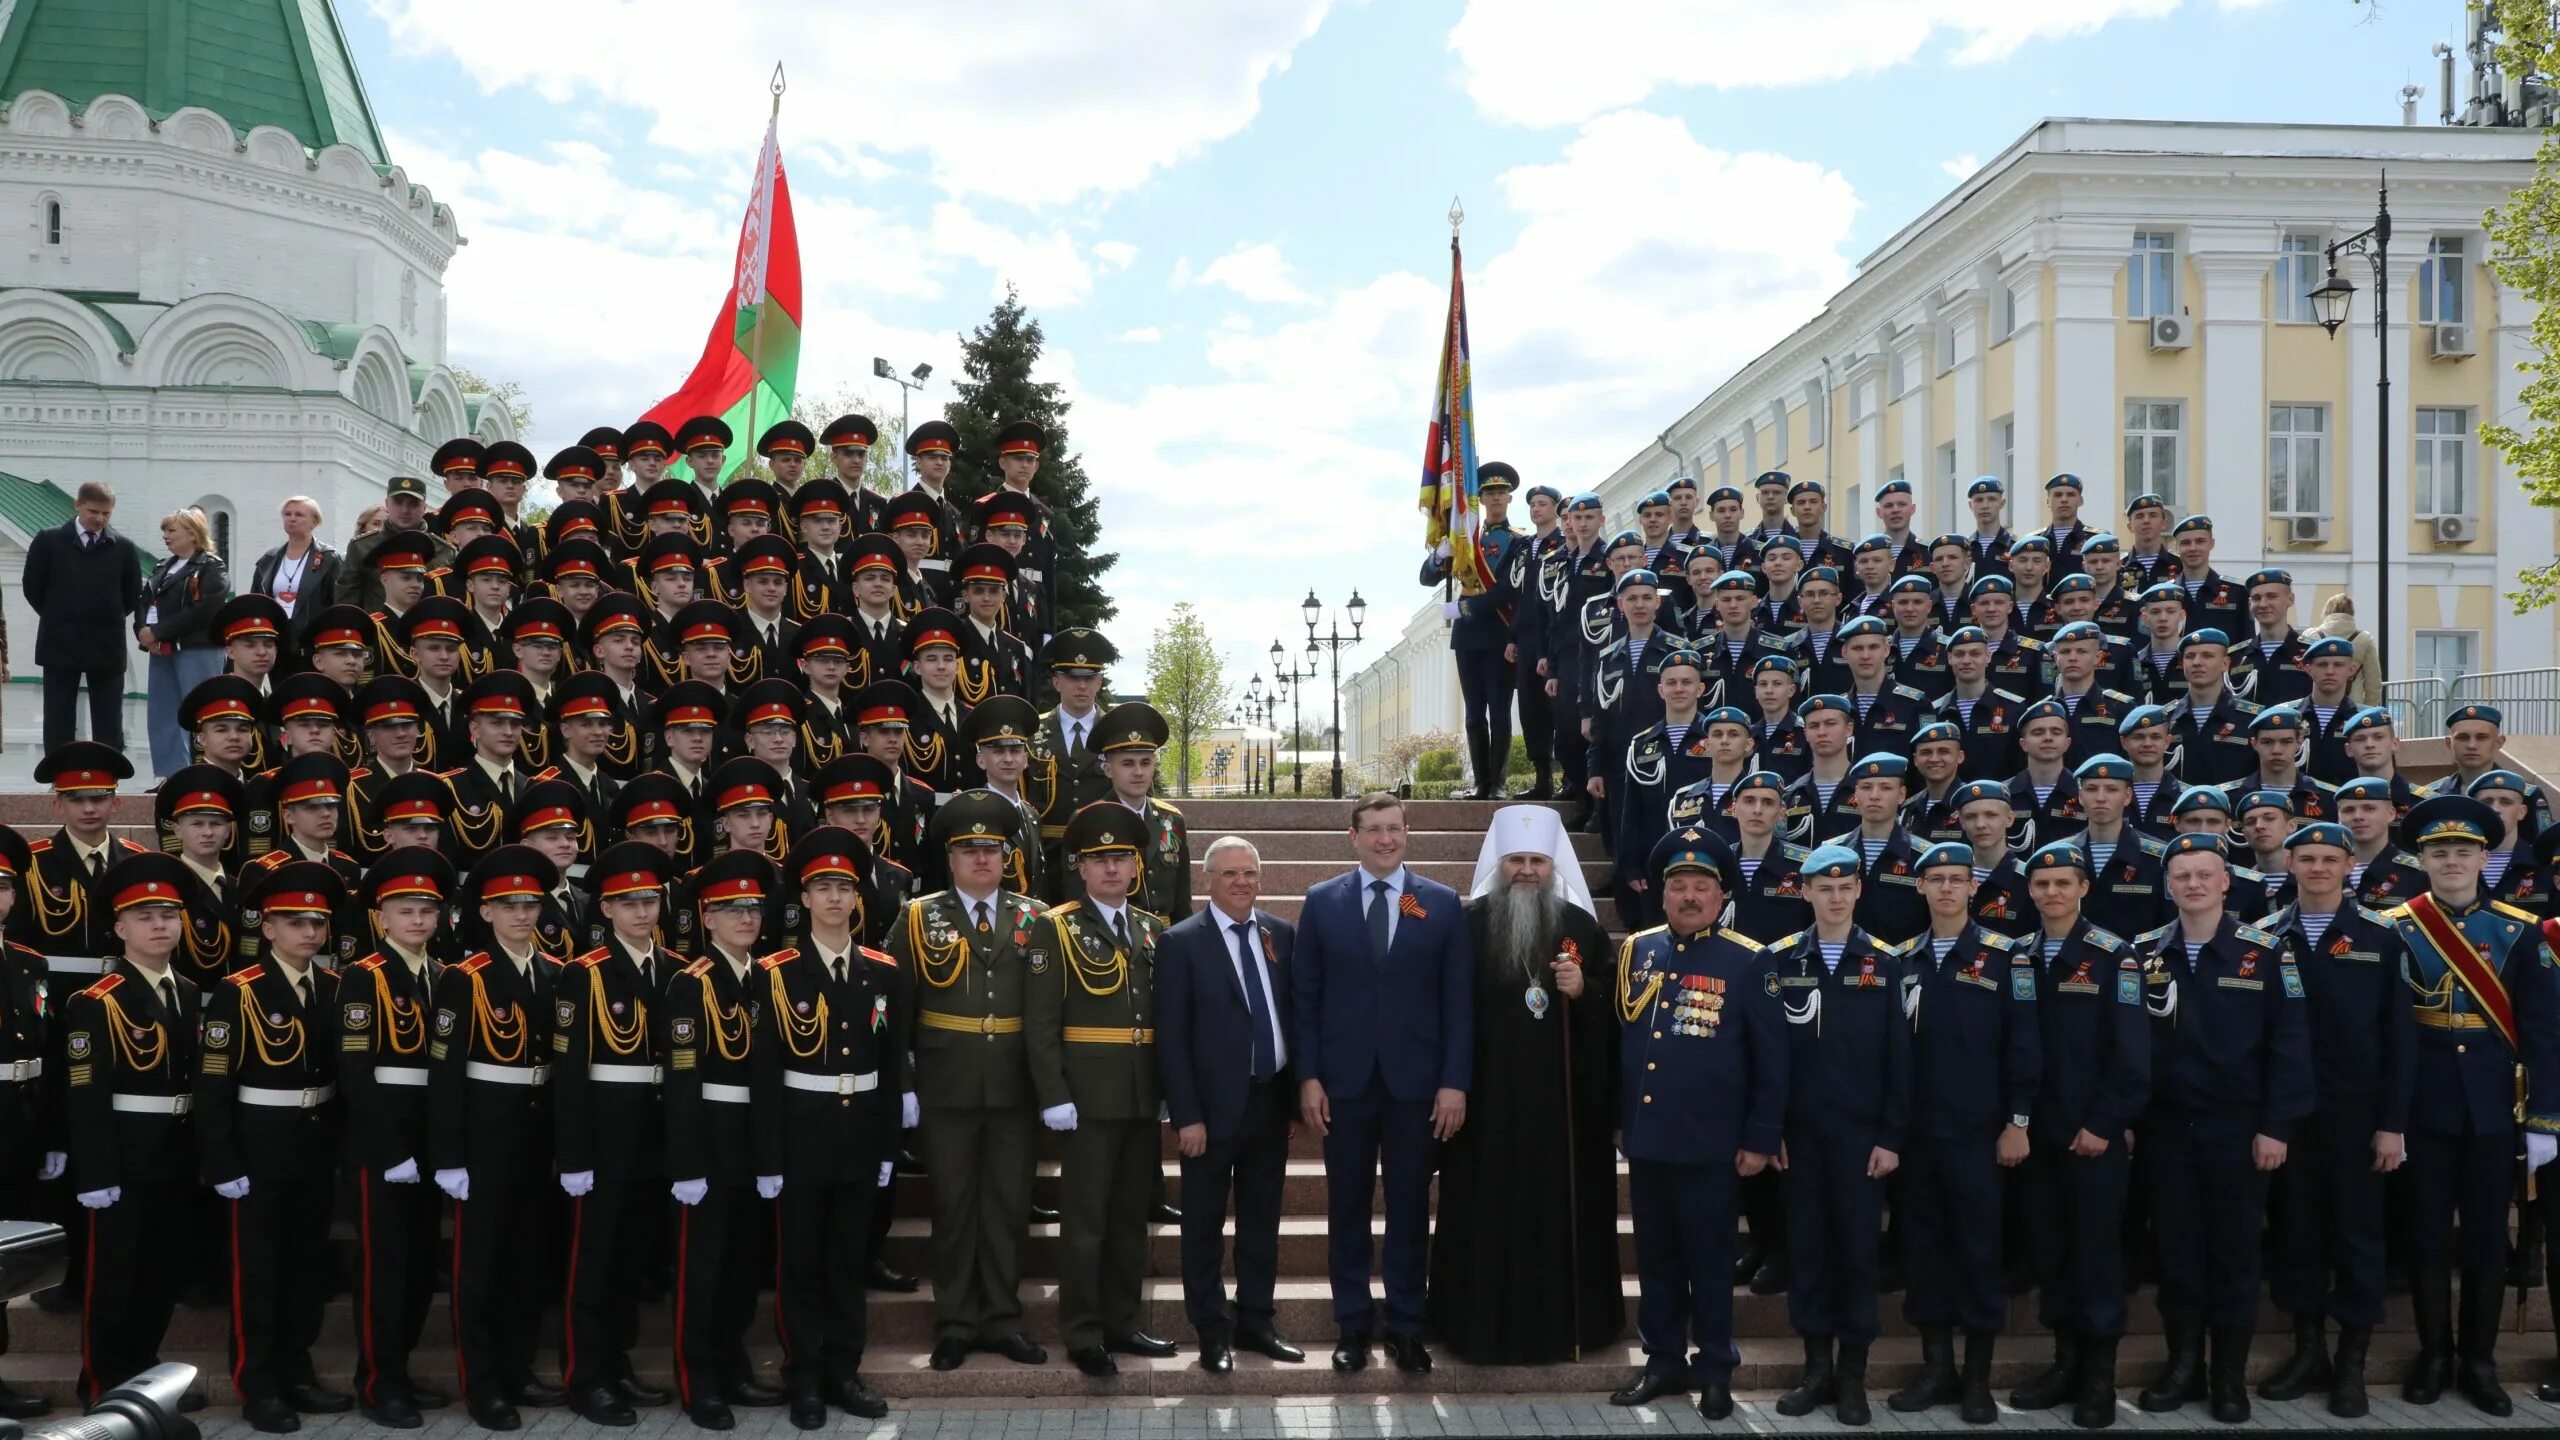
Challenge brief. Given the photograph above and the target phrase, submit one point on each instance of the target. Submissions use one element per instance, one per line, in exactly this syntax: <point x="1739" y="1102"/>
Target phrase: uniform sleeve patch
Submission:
<point x="78" y="1046"/>
<point x="2022" y="982"/>
<point x="2129" y="987"/>
<point x="680" y="1030"/>
<point x="2292" y="980"/>
<point x="359" y="1015"/>
<point x="217" y="1034"/>
<point x="444" y="1022"/>
<point x="566" y="1012"/>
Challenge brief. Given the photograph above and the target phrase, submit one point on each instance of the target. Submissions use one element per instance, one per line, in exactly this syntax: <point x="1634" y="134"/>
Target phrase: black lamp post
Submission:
<point x="1335" y="642"/>
<point x="2331" y="299"/>
<point x="1293" y="688"/>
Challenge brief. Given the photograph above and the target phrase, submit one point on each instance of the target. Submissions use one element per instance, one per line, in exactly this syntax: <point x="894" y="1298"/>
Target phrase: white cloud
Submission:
<point x="1116" y="254"/>
<point x="1962" y="166"/>
<point x="1257" y="272"/>
<point x="1033" y="101"/>
<point x="1522" y="66"/>
<point x="1141" y="335"/>
<point x="1045" y="267"/>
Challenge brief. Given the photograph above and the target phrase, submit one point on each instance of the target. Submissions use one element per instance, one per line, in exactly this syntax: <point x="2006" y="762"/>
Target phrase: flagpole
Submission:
<point x="755" y="353"/>
<point x="1449" y="582"/>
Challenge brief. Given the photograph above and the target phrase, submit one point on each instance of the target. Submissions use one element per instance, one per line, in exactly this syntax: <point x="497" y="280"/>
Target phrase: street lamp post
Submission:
<point x="2331" y="299"/>
<point x="1293" y="687"/>
<point x="1254" y="714"/>
<point x="1334" y="642"/>
<point x="906" y="391"/>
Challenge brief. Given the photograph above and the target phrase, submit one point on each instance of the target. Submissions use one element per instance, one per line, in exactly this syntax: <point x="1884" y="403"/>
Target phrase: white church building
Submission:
<point x="216" y="289"/>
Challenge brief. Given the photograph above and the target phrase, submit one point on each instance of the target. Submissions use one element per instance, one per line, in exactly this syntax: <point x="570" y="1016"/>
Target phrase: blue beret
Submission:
<point x="1769" y="780"/>
<point x="2322" y="832"/>
<point x="2366" y="787"/>
<point x="1723" y="493"/>
<point x="1831" y="862"/>
<point x="1991" y="585"/>
<point x="2268" y="577"/>
<point x="1551" y="492"/>
<point x="2486" y="713"/>
<point x="1767" y="478"/>
<point x="2276" y="717"/>
<point x="2142" y="715"/>
<point x="2339" y="647"/>
<point x="2196" y="842"/>
<point x="1691" y="848"/>
<point x="2371" y="717"/>
<point x="1622" y="540"/>
<point x="2448" y="819"/>
<point x="1587" y="500"/>
<point x="1879" y="767"/>
<point x="1681" y="482"/>
<point x="1873" y="544"/>
<point x="1804" y="487"/>
<point x="2209" y="635"/>
<point x="1977" y="790"/>
<point x="1968" y="635"/>
<point x="1685" y="656"/>
<point x="2145" y="501"/>
<point x="2104" y="767"/>
<point x="1774" y="665"/>
<point x="2047" y="708"/>
<point x="1933" y="731"/>
<point x="1656" y="497"/>
<point x="1830" y="573"/>
<point x="2102" y="543"/>
<point x="1987" y="485"/>
<point x="1894" y="487"/>
<point x="2079" y="630"/>
<point x="2199" y="797"/>
<point x="1864" y="625"/>
<point x="2198" y="521"/>
<point x="2037" y="543"/>
<point x="1951" y="541"/>
<point x="1735" y="580"/>
<point x="1914" y="583"/>
<point x="2064" y="480"/>
<point x="2060" y="855"/>
<point x="1813" y="705"/>
<point x="2072" y="584"/>
<point x="2505" y="780"/>
<point x="1946" y="853"/>
<point x="2263" y="799"/>
<point x="1727" y="715"/>
<point x="1633" y="578"/>
<point x="2160" y="590"/>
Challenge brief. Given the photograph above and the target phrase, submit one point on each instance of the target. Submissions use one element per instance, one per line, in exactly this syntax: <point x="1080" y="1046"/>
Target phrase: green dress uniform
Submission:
<point x="1163" y="886"/>
<point x="1066" y="776"/>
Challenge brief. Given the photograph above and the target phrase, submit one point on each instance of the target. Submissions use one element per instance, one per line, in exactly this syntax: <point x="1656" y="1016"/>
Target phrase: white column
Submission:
<point x="1917" y="344"/>
<point x="2231" y="444"/>
<point x="2088" y="411"/>
<point x="1943" y="511"/>
<point x="2027" y="341"/>
<point x="1866" y="378"/>
<point x="2362" y="460"/>
<point x="2519" y="642"/>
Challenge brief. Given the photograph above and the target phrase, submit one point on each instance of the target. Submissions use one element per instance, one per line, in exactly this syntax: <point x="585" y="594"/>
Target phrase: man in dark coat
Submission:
<point x="84" y="579"/>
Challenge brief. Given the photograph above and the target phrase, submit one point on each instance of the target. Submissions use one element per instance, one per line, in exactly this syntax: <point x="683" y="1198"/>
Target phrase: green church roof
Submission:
<point x="252" y="62"/>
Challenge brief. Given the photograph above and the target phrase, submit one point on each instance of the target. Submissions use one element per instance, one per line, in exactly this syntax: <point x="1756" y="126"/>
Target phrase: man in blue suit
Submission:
<point x="1383" y="984"/>
<point x="1222" y="1043"/>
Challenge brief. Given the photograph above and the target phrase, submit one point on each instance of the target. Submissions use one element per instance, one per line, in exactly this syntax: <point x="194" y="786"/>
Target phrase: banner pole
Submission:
<point x="755" y="351"/>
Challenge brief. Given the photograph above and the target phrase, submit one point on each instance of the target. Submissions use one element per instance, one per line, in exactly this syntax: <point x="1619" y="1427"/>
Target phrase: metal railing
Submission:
<point x="2529" y="700"/>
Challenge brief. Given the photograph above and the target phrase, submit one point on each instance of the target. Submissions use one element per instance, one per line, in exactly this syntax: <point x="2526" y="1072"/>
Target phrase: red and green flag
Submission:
<point x="752" y="357"/>
<point x="1449" y="497"/>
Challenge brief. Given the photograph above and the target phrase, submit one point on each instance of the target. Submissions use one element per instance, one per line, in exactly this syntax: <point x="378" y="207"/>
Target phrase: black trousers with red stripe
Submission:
<point x="134" y="1264"/>
<point x="824" y="1250"/>
<point x="278" y="1242"/>
<point x="497" y="1294"/>
<point x="612" y="1231"/>
<point x="395" y="1278"/>
<point x="715" y="1300"/>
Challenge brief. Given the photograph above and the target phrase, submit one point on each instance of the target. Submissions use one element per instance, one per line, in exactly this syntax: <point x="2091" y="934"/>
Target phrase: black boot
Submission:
<point x="2182" y="1379"/>
<point x="1747" y="1261"/>
<point x="1974" y="1404"/>
<point x="1936" y="1384"/>
<point x="21" y="1405"/>
<point x="2094" y="1407"/>
<point x="2307" y="1368"/>
<point x="1820" y="1383"/>
<point x="2229" y="1386"/>
<point x="1850" y="1377"/>
<point x="2346" y="1376"/>
<point x="2060" y="1381"/>
<point x="2431" y="1296"/>
<point x="1545" y="789"/>
<point x="2476" y="1371"/>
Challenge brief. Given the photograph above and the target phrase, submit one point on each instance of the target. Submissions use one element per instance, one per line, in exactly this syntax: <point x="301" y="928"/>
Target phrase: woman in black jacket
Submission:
<point x="175" y="625"/>
<point x="301" y="575"/>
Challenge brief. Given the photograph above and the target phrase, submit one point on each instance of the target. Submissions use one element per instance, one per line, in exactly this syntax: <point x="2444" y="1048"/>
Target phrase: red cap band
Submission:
<point x="627" y="883"/>
<point x="150" y="892"/>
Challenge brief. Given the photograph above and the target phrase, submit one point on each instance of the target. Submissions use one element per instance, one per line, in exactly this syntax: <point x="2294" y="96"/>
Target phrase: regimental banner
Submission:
<point x="1448" y="498"/>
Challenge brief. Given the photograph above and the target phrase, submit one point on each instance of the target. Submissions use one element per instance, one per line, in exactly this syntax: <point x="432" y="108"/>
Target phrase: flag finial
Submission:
<point x="1457" y="216"/>
<point x="777" y="84"/>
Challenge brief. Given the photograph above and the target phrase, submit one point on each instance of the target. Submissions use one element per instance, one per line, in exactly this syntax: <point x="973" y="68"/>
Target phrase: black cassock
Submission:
<point x="1524" y="1262"/>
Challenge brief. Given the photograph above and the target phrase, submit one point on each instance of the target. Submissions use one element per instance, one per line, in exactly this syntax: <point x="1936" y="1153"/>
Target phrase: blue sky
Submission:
<point x="1229" y="216"/>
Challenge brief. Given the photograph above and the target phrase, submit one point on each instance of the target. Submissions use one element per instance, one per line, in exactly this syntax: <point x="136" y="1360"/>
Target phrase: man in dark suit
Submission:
<point x="1385" y="996"/>
<point x="1222" y="1043"/>
<point x="84" y="579"/>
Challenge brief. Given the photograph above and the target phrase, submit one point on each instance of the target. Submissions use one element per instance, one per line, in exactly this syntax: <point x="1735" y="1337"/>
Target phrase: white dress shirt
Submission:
<point x="1251" y="973"/>
<point x="1397" y="884"/>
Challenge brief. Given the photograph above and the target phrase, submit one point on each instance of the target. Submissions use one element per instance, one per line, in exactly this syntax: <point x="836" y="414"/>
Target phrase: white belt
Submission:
<point x="624" y="1074"/>
<point x="934" y="562"/>
<point x="832" y="1084"/>
<point x="18" y="1072"/>
<point x="400" y="1075"/>
<point x="727" y="1094"/>
<point x="153" y="1104"/>
<point x="507" y="1074"/>
<point x="288" y="1099"/>
<point x="76" y="964"/>
<point x="1030" y="573"/>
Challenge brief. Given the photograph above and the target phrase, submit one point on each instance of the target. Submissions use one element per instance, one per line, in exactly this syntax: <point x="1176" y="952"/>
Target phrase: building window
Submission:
<point x="2444" y="480"/>
<point x="2299" y="266"/>
<point x="52" y="221"/>
<point x="2004" y="437"/>
<point x="2004" y="313"/>
<point x="1946" y="337"/>
<point x="1817" y="415"/>
<point x="2151" y="275"/>
<point x="1948" y="485"/>
<point x="1858" y="408"/>
<point x="2447" y="655"/>
<point x="1717" y="464"/>
<point x="2298" y="460"/>
<point x="2442" y="281"/>
<point x="1778" y="432"/>
<point x="1895" y="381"/>
<point x="2154" y="432"/>
<point x="222" y="532"/>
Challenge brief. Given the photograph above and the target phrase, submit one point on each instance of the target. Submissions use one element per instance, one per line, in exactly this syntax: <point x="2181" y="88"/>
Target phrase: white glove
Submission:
<point x="1448" y="609"/>
<point x="888" y="1172"/>
<point x="55" y="1162"/>
<point x="578" y="1182"/>
<point x="455" y="1183"/>
<point x="1441" y="551"/>
<point x="404" y="1173"/>
<point x="769" y="1186"/>
<point x="233" y="1189"/>
<point x="689" y="1192"/>
<point x="910" y="1114"/>
<point x="1060" y="1117"/>
<point x="101" y="1199"/>
<point x="2539" y="1150"/>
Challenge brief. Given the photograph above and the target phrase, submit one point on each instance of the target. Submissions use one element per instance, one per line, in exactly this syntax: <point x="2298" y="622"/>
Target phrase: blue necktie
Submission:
<point x="1265" y="1063"/>
<point x="1379" y="933"/>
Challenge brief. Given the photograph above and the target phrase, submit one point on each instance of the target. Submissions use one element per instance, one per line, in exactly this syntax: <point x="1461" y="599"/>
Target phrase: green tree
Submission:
<point x="886" y="473"/>
<point x="998" y="359"/>
<point x="509" y="393"/>
<point x="1187" y="685"/>
<point x="2524" y="240"/>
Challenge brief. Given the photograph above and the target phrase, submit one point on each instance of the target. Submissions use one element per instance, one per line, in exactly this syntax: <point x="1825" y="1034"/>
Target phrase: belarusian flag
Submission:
<point x="752" y="357"/>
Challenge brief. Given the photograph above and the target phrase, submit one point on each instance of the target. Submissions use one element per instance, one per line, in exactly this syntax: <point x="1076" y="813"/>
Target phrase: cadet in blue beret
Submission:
<point x="1887" y="711"/>
<point x="1979" y="706"/>
<point x="2212" y="724"/>
<point x="2488" y="1018"/>
<point x="1739" y="642"/>
<point x="2116" y="611"/>
<point x="2162" y="610"/>
<point x="2148" y="558"/>
<point x="2202" y="808"/>
<point x="1873" y="566"/>
<point x="2213" y="602"/>
<point x="2384" y="873"/>
<point x="1582" y="616"/>
<point x="1657" y="762"/>
<point x="1848" y="1107"/>
<point x="1818" y="806"/>
<point x="2145" y="737"/>
<point x="1976" y="1072"/>
<point x="1656" y="515"/>
<point x="1815" y="639"/>
<point x="2126" y="894"/>
<point x="2517" y="872"/>
<point x="1895" y="503"/>
<point x="1937" y="768"/>
<point x="2267" y="665"/>
<point x="1724" y="535"/>
<point x="2231" y="1085"/>
<point x="1537" y="562"/>
<point x="2017" y="659"/>
<point x="2372" y="741"/>
<point x="1702" y="1100"/>
<point x="1951" y="567"/>
<point x="2091" y="708"/>
<point x="2043" y="791"/>
<point x="1482" y="627"/>
<point x="1988" y="501"/>
<point x="1777" y="734"/>
<point x="1768" y="902"/>
<point x="1728" y="740"/>
<point x="2097" y="1079"/>
<point x="2275" y="738"/>
<point x="1871" y="823"/>
<point x="1769" y="493"/>
<point x="1807" y="507"/>
<point x="1986" y="820"/>
<point x="2475" y="734"/>
<point x="2063" y="529"/>
<point x="1625" y="693"/>
<point x="2032" y="569"/>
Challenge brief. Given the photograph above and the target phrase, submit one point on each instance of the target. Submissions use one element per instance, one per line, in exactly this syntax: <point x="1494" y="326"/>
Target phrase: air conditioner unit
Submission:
<point x="2305" y="529"/>
<point x="2171" y="332"/>
<point x="2450" y="342"/>
<point x="2457" y="529"/>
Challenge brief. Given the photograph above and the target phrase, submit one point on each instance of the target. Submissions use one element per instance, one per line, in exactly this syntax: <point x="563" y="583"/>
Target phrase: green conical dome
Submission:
<point x="252" y="62"/>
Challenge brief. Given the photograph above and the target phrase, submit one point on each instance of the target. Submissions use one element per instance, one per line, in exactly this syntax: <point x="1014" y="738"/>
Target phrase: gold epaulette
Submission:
<point x="1063" y="907"/>
<point x="697" y="969"/>
<point x="596" y="956"/>
<point x="777" y="959"/>
<point x="2514" y="913"/>
<point x="1168" y="808"/>
<point x="370" y="962"/>
<point x="475" y="964"/>
<point x="245" y="978"/>
<point x="1738" y="938"/>
<point x="103" y="988"/>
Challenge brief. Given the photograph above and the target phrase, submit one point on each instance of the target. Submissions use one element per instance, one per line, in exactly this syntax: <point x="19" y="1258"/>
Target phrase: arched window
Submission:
<point x="222" y="532"/>
<point x="52" y="220"/>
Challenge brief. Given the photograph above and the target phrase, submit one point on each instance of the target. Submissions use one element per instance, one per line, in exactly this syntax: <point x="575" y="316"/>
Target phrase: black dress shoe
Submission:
<point x="537" y="1394"/>
<point x="395" y="1413"/>
<point x="1268" y="1342"/>
<point x="425" y="1397"/>
<point x="58" y="1300"/>
<point x="270" y="1415"/>
<point x="884" y="1276"/>
<point x="1044" y="1214"/>
<point x="710" y="1413"/>
<point x="949" y="1354"/>
<point x="1217" y="1357"/>
<point x="1351" y="1353"/>
<point x="808" y="1412"/>
<point x="16" y="1404"/>
<point x="315" y="1400"/>
<point x="1407" y="1352"/>
<point x="1094" y="1361"/>
<point x="1715" y="1400"/>
<point x="1139" y="1342"/>
<point x="753" y="1394"/>
<point x="1164" y="1214"/>
<point x="639" y="1395"/>
<point x="494" y="1412"/>
<point x="600" y="1405"/>
<point x="856" y="1399"/>
<point x="1018" y="1348"/>
<point x="907" y="1162"/>
<point x="1648" y="1387"/>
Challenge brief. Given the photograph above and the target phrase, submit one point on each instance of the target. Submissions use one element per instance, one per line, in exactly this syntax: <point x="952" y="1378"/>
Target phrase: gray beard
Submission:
<point x="1521" y="926"/>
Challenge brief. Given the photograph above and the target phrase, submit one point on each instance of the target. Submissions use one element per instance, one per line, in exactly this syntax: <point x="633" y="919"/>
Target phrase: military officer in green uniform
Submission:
<point x="1129" y="735"/>
<point x="970" y="957"/>
<point x="1066" y="769"/>
<point x="1089" y="1029"/>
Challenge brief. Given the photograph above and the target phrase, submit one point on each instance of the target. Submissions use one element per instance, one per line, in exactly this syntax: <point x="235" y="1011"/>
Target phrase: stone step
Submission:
<point x="1287" y="907"/>
<point x="1334" y="846"/>
<point x="1288" y="813"/>
<point x="1296" y="877"/>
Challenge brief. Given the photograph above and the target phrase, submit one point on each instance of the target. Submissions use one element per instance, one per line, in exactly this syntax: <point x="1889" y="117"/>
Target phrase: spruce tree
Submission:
<point x="998" y="359"/>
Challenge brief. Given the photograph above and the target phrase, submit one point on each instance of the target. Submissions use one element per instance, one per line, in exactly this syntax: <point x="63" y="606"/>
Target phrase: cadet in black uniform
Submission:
<point x="64" y="915"/>
<point x="2211" y="723"/>
<point x="2213" y="603"/>
<point x="31" y="1131"/>
<point x="267" y="1123"/>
